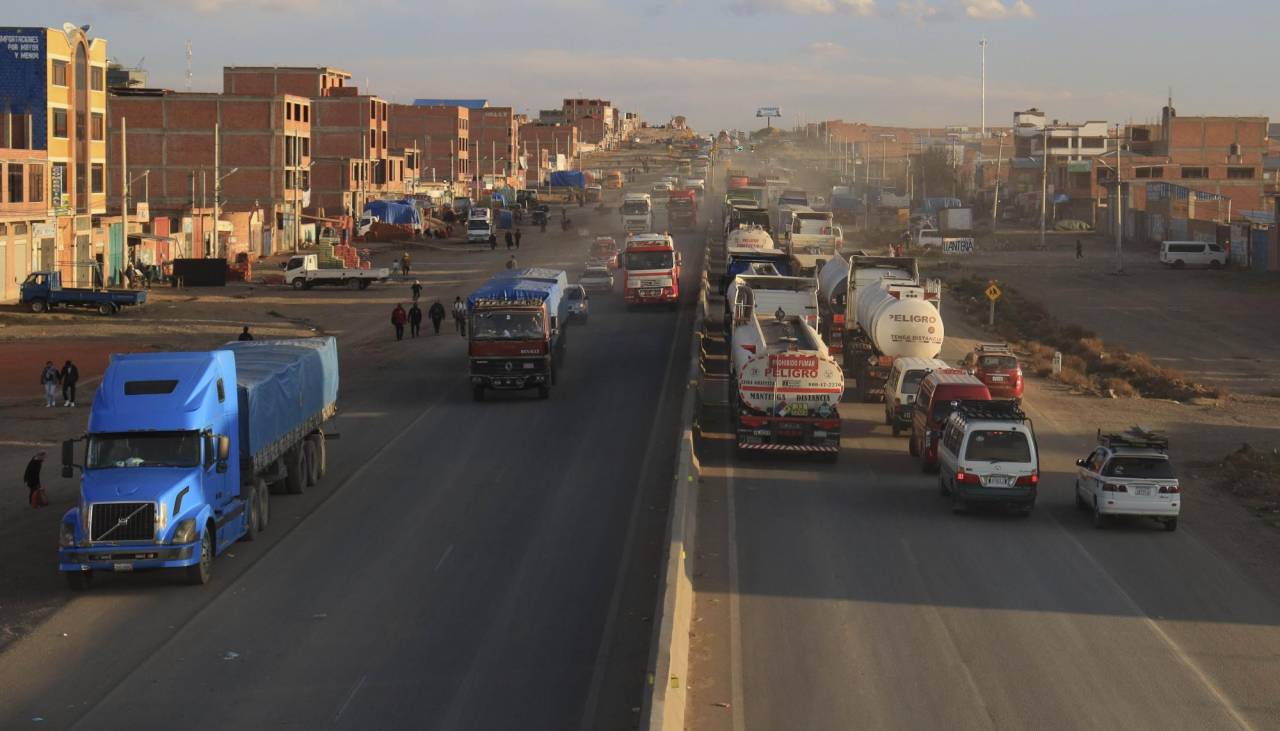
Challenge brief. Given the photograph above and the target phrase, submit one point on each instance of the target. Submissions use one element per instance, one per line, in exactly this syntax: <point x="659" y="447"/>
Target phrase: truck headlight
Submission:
<point x="185" y="532"/>
<point x="67" y="535"/>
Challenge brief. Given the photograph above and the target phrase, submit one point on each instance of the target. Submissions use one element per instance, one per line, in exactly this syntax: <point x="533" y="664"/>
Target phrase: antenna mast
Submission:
<point x="188" y="65"/>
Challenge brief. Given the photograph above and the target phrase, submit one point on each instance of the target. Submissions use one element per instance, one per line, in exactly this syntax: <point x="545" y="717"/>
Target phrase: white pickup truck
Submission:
<point x="814" y="238"/>
<point x="303" y="272"/>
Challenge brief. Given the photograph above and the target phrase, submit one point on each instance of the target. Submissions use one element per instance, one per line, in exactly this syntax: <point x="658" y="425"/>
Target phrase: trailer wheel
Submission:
<point x="353" y="284"/>
<point x="295" y="480"/>
<point x="313" y="462"/>
<point x="252" y="517"/>
<point x="201" y="571"/>
<point x="37" y="306"/>
<point x="299" y="283"/>
<point x="79" y="580"/>
<point x="322" y="454"/>
<point x="106" y="309"/>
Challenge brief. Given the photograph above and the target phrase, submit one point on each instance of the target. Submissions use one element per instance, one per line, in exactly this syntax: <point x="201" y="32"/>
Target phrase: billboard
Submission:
<point x="768" y="112"/>
<point x="22" y="69"/>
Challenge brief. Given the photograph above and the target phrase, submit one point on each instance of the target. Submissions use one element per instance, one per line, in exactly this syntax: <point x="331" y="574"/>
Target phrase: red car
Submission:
<point x="998" y="369"/>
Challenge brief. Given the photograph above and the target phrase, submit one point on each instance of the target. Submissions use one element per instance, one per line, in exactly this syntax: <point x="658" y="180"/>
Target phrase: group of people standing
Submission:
<point x="66" y="377"/>
<point x="435" y="313"/>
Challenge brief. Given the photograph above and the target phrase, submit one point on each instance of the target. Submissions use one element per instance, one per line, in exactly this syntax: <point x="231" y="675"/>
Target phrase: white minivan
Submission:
<point x="901" y="387"/>
<point x="988" y="454"/>
<point x="1178" y="254"/>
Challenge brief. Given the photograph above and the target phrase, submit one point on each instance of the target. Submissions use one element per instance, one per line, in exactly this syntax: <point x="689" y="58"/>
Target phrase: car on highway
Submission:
<point x="662" y="189"/>
<point x="579" y="302"/>
<point x="988" y="454"/>
<point x="901" y="388"/>
<point x="940" y="393"/>
<point x="1129" y="473"/>
<point x="596" y="279"/>
<point x="997" y="367"/>
<point x="698" y="184"/>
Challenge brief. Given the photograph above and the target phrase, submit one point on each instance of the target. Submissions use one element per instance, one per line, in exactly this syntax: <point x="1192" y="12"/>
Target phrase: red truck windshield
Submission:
<point x="507" y="326"/>
<point x="640" y="260"/>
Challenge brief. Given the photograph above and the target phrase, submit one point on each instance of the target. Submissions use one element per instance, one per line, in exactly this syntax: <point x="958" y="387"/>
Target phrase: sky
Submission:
<point x="908" y="62"/>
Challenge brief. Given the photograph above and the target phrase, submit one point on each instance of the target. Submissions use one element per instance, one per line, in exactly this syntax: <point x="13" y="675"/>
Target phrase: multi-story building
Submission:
<point x="350" y="144"/>
<point x="53" y="107"/>
<point x="440" y="133"/>
<point x="264" y="155"/>
<point x="308" y="81"/>
<point x="495" y="140"/>
<point x="596" y="118"/>
<point x="543" y="145"/>
<point x="1068" y="175"/>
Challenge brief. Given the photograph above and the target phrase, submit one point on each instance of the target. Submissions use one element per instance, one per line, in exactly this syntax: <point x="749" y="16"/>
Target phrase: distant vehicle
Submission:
<point x="637" y="213"/>
<point x="988" y="453"/>
<point x="698" y="184"/>
<point x="516" y="333"/>
<point x="1129" y="474"/>
<point x="793" y="198"/>
<point x="661" y="189"/>
<point x="365" y="224"/>
<point x="1178" y="254"/>
<point x="812" y="239"/>
<point x="462" y="207"/>
<point x="682" y="210"/>
<point x="596" y="279"/>
<point x="43" y="291"/>
<point x="480" y="214"/>
<point x="651" y="270"/>
<point x="604" y="252"/>
<point x="997" y="367"/>
<point x="613" y="180"/>
<point x="578" y="301"/>
<point x="901" y="387"/>
<point x="182" y="449"/>
<point x="940" y="393"/>
<point x="479" y="229"/>
<point x="593" y="193"/>
<point x="303" y="272"/>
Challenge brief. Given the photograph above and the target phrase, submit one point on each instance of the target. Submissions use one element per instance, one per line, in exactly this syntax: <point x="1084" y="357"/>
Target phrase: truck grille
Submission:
<point x="498" y="366"/>
<point x="123" y="522"/>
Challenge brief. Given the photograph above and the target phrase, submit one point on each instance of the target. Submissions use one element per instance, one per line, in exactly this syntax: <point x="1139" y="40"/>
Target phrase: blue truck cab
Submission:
<point x="181" y="451"/>
<point x="43" y="291"/>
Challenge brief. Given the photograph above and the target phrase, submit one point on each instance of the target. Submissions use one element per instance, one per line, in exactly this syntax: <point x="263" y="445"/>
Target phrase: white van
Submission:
<point x="988" y="454"/>
<point x="479" y="230"/>
<point x="1178" y="254"/>
<point x="901" y="387"/>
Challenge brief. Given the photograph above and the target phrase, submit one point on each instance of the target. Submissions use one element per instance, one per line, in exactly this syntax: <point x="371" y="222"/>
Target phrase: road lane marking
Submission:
<point x="735" y="617"/>
<point x="444" y="556"/>
<point x="359" y="684"/>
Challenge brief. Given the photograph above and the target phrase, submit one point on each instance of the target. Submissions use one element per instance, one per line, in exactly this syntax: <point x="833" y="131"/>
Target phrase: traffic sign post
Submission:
<point x="993" y="294"/>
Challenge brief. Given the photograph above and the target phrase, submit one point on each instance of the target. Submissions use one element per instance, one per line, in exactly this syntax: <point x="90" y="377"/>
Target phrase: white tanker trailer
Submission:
<point x="893" y="316"/>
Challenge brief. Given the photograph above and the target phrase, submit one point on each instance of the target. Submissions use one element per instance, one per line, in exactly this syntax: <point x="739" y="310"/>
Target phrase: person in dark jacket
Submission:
<point x="415" y="320"/>
<point x="460" y="316"/>
<point x="398" y="319"/>
<point x="49" y="378"/>
<point x="31" y="477"/>
<point x="70" y="374"/>
<point x="436" y="313"/>
<point x="493" y="242"/>
<point x="245" y="335"/>
<point x="510" y="241"/>
<point x="519" y="233"/>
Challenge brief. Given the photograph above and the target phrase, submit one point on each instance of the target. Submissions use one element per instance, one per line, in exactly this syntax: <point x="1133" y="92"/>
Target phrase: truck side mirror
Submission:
<point x="1080" y="463"/>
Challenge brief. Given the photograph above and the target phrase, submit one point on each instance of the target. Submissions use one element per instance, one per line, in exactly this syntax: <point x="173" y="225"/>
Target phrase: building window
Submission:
<point x="306" y="180"/>
<point x="384" y="138"/>
<point x="288" y="111"/>
<point x="97" y="79"/>
<point x="17" y="171"/>
<point x="306" y="113"/>
<point x="60" y="123"/>
<point x="373" y="141"/>
<point x="306" y="145"/>
<point x="1240" y="173"/>
<point x="35" y="183"/>
<point x="97" y="177"/>
<point x="59" y="73"/>
<point x="19" y="137"/>
<point x="98" y="127"/>
<point x="19" y="229"/>
<point x="1194" y="173"/>
<point x="373" y="110"/>
<point x="288" y="180"/>
<point x="1148" y="172"/>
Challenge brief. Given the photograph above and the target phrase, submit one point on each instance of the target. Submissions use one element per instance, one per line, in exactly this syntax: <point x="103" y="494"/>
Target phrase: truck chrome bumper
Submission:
<point x="127" y="558"/>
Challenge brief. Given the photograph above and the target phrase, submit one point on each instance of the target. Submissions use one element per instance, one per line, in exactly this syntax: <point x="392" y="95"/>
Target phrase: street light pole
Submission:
<point x="1044" y="186"/>
<point x="995" y="200"/>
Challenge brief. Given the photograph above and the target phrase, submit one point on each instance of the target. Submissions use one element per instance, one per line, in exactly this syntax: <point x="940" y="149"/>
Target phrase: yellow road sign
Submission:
<point x="993" y="292"/>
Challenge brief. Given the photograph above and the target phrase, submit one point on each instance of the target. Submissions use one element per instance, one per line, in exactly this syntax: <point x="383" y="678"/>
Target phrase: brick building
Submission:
<point x="52" y="153"/>
<point x="541" y="144"/>
<point x="350" y="149"/>
<point x="308" y="81"/>
<point x="265" y="140"/>
<point x="441" y="133"/>
<point x="495" y="144"/>
<point x="596" y="118"/>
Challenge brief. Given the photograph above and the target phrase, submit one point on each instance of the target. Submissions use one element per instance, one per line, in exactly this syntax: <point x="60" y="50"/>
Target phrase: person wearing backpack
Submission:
<point x="460" y="316"/>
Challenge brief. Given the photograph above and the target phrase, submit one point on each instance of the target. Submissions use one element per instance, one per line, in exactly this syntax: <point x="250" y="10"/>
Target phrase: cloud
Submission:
<point x="921" y="12"/>
<point x="804" y="7"/>
<point x="997" y="9"/>
<point x="827" y="49"/>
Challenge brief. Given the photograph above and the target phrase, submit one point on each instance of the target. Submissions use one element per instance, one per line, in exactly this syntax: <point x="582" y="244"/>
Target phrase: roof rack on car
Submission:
<point x="993" y="410"/>
<point x="993" y="348"/>
<point x="1135" y="437"/>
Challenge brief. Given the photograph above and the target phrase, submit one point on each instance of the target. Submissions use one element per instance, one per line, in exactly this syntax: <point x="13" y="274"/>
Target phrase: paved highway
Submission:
<point x="848" y="596"/>
<point x="479" y="565"/>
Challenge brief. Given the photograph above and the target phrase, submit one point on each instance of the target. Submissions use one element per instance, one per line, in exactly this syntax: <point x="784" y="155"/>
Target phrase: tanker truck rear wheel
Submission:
<point x="295" y="464"/>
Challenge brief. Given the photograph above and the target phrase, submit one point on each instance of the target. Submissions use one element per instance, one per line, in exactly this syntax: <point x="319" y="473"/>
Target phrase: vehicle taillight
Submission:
<point x="1030" y="480"/>
<point x="668" y="290"/>
<point x="1113" y="487"/>
<point x="751" y="422"/>
<point x="830" y="425"/>
<point x="1170" y="489"/>
<point x="966" y="478"/>
<point x="838" y="319"/>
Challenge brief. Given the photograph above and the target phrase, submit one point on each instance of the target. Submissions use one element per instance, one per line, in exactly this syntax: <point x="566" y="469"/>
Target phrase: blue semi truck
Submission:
<point x="43" y="291"/>
<point x="183" y="450"/>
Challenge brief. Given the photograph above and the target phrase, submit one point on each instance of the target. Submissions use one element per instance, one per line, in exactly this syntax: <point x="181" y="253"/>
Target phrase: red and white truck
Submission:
<point x="651" y="270"/>
<point x="786" y="387"/>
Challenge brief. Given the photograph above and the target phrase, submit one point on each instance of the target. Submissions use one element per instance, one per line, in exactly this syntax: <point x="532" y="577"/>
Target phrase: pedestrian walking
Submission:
<point x="460" y="316"/>
<point x="398" y="319"/>
<point x="417" y="290"/>
<point x="510" y="241"/>
<point x="493" y="242"/>
<point x="37" y="498"/>
<point x="49" y="379"/>
<point x="519" y="233"/>
<point x="436" y="314"/>
<point x="404" y="263"/>
<point x="245" y="335"/>
<point x="69" y="375"/>
<point x="511" y="263"/>
<point x="415" y="320"/>
<point x="1079" y="249"/>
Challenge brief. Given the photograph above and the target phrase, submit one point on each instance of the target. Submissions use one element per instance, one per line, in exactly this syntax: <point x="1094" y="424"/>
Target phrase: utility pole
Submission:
<point x="204" y="206"/>
<point x="1044" y="185"/>
<point x="217" y="183"/>
<point x="995" y="200"/>
<point x="124" y="188"/>
<point x="977" y="168"/>
<point x="191" y="248"/>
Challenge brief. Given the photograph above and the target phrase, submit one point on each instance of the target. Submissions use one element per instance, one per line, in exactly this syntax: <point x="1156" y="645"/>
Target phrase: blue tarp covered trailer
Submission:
<point x="503" y="287"/>
<point x="286" y="388"/>
<point x="568" y="179"/>
<point x="395" y="212"/>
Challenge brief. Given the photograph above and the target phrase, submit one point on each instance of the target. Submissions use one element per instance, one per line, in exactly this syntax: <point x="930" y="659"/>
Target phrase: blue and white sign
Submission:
<point x="768" y="112"/>
<point x="22" y="78"/>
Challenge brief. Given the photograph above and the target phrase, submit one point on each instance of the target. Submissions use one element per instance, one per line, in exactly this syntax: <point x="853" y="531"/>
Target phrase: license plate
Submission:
<point x="997" y="378"/>
<point x="122" y="567"/>
<point x="998" y="481"/>
<point x="1142" y="491"/>
<point x="650" y="292"/>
